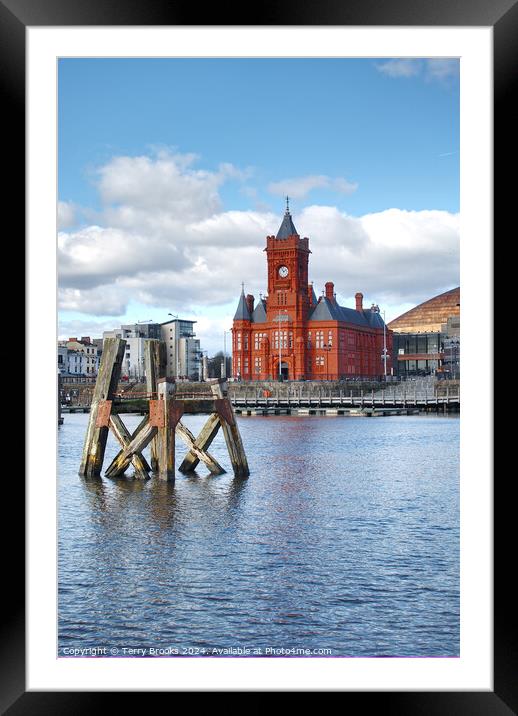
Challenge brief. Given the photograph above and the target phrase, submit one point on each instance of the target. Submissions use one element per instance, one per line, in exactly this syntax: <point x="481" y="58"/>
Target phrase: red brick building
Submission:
<point x="293" y="334"/>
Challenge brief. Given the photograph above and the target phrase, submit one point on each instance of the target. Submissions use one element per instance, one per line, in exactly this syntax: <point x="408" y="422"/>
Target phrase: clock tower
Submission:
<point x="287" y="256"/>
<point x="290" y="335"/>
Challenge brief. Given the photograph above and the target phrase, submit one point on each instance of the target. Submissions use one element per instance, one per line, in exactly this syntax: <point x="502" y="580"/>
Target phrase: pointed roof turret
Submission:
<point x="287" y="228"/>
<point x="259" y="314"/>
<point x="242" y="313"/>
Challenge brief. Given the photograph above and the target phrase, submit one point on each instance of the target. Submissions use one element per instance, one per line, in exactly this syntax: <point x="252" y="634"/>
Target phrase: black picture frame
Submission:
<point x="15" y="16"/>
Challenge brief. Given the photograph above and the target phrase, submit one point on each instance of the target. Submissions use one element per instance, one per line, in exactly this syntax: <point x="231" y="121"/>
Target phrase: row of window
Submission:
<point x="322" y="339"/>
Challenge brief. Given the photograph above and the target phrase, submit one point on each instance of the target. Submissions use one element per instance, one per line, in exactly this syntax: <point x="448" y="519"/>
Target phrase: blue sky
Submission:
<point x="351" y="140"/>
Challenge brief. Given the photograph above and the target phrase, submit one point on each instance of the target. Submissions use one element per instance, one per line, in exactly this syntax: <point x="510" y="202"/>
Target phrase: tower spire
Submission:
<point x="287" y="227"/>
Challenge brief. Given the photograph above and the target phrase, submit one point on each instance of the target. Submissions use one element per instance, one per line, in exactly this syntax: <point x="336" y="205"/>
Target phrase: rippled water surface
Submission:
<point x="345" y="537"/>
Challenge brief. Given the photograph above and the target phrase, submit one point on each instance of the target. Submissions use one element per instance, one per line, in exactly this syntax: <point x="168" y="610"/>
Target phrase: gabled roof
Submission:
<point x="259" y="314"/>
<point x="242" y="313"/>
<point x="287" y="228"/>
<point x="327" y="310"/>
<point x="374" y="318"/>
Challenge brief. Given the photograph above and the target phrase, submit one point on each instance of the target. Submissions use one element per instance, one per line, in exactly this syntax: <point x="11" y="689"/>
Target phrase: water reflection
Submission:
<point x="345" y="535"/>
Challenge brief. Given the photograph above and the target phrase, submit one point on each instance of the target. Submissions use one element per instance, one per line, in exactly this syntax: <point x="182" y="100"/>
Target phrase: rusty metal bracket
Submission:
<point x="224" y="410"/>
<point x="156" y="413"/>
<point x="104" y="410"/>
<point x="175" y="413"/>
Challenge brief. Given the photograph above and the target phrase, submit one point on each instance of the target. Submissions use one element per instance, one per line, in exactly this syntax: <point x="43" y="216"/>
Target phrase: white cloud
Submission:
<point x="94" y="255"/>
<point x="394" y="255"/>
<point x="163" y="240"/>
<point x="433" y="69"/>
<point x="399" y="67"/>
<point x="441" y="70"/>
<point x="66" y="214"/>
<point x="101" y="301"/>
<point x="85" y="327"/>
<point x="300" y="187"/>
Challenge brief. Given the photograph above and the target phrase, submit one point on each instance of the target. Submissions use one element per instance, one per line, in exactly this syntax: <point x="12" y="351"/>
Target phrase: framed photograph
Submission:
<point x="106" y="174"/>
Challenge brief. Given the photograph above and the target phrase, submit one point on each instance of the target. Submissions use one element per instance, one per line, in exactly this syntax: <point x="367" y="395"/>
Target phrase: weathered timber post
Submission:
<point x="104" y="392"/>
<point x="169" y="412"/>
<point x="230" y="430"/>
<point x="60" y="417"/>
<point x="155" y="367"/>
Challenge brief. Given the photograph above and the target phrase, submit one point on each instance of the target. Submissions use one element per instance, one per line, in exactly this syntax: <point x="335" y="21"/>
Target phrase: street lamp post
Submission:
<point x="280" y="345"/>
<point x="385" y="355"/>
<point x="327" y="348"/>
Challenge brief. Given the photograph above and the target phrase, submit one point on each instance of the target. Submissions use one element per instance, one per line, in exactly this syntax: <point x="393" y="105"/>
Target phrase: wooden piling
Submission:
<point x="230" y="430"/>
<point x="159" y="427"/>
<point x="104" y="392"/>
<point x="60" y="416"/>
<point x="170" y="413"/>
<point x="155" y="367"/>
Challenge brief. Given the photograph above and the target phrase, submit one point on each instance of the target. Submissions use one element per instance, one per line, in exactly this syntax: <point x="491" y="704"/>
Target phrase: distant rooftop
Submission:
<point x="430" y="315"/>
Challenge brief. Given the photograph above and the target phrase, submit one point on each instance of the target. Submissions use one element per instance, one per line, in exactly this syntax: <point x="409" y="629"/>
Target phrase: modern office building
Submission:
<point x="182" y="349"/>
<point x="426" y="339"/>
<point x="134" y="334"/>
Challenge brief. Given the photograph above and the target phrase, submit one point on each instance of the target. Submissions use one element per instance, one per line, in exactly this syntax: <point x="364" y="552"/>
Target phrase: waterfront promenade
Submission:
<point x="322" y="397"/>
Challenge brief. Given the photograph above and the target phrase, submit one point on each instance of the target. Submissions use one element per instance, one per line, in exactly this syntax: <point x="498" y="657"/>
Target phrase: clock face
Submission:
<point x="283" y="271"/>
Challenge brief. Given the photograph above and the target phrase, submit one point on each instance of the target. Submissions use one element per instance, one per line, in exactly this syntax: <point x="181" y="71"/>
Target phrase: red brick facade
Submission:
<point x="319" y="340"/>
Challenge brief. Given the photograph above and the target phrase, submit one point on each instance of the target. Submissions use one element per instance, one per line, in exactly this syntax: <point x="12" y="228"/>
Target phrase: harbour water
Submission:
<point x="344" y="541"/>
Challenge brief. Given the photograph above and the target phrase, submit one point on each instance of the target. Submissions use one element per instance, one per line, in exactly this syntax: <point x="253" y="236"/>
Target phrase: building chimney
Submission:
<point x="330" y="289"/>
<point x="359" y="301"/>
<point x="85" y="339"/>
<point x="310" y="294"/>
<point x="250" y="302"/>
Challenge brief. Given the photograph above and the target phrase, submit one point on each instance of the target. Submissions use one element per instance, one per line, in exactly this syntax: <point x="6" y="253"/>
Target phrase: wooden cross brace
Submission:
<point x="132" y="446"/>
<point x="222" y="418"/>
<point x="198" y="450"/>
